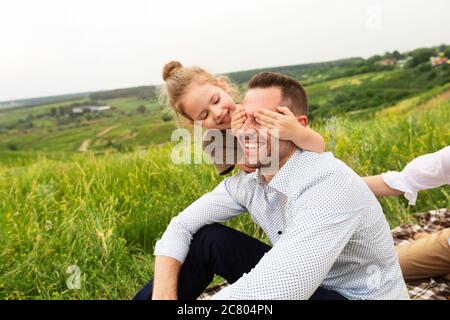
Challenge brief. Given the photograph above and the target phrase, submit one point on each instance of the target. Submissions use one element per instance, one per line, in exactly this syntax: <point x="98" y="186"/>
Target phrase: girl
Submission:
<point x="200" y="96"/>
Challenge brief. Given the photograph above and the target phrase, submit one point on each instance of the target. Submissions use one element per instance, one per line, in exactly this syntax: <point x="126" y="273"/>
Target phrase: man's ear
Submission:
<point x="303" y="120"/>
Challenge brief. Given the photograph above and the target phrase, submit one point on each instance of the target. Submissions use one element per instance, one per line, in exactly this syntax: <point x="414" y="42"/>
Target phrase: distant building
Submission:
<point x="98" y="108"/>
<point x="84" y="109"/>
<point x="386" y="62"/>
<point x="437" y="61"/>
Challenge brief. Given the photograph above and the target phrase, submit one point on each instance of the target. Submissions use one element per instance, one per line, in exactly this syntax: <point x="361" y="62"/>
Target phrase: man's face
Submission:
<point x="257" y="142"/>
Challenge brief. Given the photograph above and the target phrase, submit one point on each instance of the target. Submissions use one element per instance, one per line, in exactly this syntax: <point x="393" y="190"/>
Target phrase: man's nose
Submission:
<point x="249" y="123"/>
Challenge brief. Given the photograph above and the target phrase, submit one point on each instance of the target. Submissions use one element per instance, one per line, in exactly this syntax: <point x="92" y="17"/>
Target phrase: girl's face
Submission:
<point x="209" y="104"/>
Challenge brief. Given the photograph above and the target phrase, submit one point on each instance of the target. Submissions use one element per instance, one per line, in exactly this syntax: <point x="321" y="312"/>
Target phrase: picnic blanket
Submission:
<point x="427" y="289"/>
<point x="428" y="222"/>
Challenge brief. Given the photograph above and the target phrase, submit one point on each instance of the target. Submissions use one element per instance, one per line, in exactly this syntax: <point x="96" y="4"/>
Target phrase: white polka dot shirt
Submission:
<point x="326" y="227"/>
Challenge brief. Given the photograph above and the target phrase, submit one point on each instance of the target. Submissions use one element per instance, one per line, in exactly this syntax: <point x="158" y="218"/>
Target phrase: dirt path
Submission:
<point x="105" y="131"/>
<point x="84" y="145"/>
<point x="444" y="96"/>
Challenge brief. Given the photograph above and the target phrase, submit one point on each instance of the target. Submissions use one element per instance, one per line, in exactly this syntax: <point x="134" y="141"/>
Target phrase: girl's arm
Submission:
<point x="379" y="187"/>
<point x="285" y="126"/>
<point x="425" y="172"/>
<point x="308" y="139"/>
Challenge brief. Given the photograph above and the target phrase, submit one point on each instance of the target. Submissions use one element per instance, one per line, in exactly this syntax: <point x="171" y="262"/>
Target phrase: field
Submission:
<point x="126" y="129"/>
<point x="92" y="218"/>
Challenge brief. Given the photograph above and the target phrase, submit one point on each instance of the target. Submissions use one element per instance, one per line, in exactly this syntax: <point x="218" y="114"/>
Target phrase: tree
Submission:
<point x="420" y="56"/>
<point x="447" y="52"/>
<point x="397" y="55"/>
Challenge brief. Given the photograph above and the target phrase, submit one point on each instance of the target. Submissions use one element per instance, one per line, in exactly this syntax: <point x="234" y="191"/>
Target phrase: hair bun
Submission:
<point x="170" y="68"/>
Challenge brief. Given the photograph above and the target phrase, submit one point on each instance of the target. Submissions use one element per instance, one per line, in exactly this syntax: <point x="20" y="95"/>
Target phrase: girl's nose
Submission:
<point x="231" y="107"/>
<point x="216" y="112"/>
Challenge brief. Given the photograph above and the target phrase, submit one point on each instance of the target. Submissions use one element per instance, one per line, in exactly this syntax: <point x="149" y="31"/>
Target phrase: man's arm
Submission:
<point x="301" y="259"/>
<point x="165" y="280"/>
<point x="171" y="250"/>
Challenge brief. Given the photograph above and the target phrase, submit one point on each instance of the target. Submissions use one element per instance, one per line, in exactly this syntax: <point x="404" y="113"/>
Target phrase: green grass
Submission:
<point x="389" y="142"/>
<point x="104" y="212"/>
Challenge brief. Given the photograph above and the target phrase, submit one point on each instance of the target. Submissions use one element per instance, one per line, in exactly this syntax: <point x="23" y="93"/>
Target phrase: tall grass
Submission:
<point x="103" y="213"/>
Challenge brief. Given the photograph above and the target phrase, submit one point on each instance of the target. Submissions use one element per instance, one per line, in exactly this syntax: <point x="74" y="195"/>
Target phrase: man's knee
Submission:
<point x="210" y="234"/>
<point x="145" y="293"/>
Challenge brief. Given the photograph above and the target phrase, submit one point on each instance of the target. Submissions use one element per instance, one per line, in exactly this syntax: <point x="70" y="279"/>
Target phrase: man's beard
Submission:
<point x="270" y="156"/>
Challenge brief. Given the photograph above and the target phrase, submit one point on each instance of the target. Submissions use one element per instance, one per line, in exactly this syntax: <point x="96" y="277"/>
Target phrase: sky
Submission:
<point x="51" y="47"/>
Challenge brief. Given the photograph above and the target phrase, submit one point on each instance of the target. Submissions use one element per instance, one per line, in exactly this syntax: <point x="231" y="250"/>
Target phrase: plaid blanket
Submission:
<point x="428" y="222"/>
<point x="429" y="289"/>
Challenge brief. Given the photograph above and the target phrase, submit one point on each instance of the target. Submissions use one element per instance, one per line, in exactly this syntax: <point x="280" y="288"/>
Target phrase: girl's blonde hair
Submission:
<point x="179" y="78"/>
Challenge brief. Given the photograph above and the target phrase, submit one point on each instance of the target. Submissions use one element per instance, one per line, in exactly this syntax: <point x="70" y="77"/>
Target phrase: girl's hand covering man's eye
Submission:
<point x="282" y="124"/>
<point x="237" y="119"/>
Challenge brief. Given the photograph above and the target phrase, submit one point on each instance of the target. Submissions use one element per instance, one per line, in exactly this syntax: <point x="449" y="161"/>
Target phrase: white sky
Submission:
<point x="50" y="47"/>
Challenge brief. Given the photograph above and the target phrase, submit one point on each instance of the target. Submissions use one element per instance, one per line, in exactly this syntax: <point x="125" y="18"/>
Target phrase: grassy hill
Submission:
<point x="373" y="90"/>
<point x="129" y="128"/>
<point x="21" y="103"/>
<point x="309" y="73"/>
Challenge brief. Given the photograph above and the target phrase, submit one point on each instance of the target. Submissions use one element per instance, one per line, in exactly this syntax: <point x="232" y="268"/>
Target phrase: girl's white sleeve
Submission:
<point x="425" y="172"/>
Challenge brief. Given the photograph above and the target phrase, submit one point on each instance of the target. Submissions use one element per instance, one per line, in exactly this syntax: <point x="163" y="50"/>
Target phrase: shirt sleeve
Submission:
<point x="216" y="206"/>
<point x="425" y="172"/>
<point x="299" y="261"/>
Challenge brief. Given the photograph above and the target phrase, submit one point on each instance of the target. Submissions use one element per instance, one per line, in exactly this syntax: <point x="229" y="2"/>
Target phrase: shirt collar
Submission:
<point x="282" y="179"/>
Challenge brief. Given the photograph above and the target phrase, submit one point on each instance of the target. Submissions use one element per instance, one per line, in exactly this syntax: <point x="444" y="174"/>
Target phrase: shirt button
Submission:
<point x="279" y="232"/>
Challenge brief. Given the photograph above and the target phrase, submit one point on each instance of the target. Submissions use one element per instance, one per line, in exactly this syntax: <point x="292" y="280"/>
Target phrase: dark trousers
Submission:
<point x="218" y="249"/>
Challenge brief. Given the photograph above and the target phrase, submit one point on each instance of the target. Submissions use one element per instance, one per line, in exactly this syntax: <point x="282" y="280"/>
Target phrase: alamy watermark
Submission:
<point x="73" y="282"/>
<point x="374" y="18"/>
<point x="374" y="278"/>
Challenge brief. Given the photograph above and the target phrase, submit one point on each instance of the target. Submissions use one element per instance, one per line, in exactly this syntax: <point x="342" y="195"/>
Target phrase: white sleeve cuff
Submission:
<point x="173" y="249"/>
<point x="396" y="180"/>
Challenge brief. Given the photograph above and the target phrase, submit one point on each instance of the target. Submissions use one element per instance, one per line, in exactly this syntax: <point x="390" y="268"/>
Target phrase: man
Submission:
<point x="329" y="234"/>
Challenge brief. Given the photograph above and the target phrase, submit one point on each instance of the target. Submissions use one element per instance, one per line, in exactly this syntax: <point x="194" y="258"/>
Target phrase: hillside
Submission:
<point x="41" y="100"/>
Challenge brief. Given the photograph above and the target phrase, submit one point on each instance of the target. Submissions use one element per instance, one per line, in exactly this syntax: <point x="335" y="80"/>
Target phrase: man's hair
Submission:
<point x="292" y="93"/>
